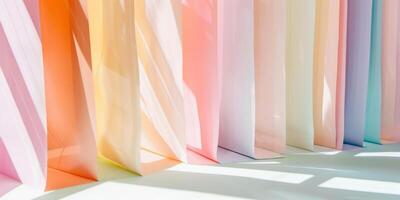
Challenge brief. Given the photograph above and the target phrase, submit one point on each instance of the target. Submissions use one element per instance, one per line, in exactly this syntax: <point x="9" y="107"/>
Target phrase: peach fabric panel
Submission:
<point x="116" y="81"/>
<point x="158" y="36"/>
<point x="325" y="72"/>
<point x="390" y="69"/>
<point x="269" y="60"/>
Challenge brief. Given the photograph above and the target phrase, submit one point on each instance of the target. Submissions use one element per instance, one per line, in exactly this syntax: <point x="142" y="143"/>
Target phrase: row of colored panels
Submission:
<point x="81" y="78"/>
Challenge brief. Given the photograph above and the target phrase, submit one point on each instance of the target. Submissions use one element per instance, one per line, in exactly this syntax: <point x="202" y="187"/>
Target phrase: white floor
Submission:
<point x="369" y="173"/>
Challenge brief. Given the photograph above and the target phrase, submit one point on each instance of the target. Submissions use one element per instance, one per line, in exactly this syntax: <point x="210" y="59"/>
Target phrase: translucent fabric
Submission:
<point x="390" y="70"/>
<point x="327" y="73"/>
<point x="202" y="76"/>
<point x="269" y="72"/>
<point x="238" y="106"/>
<point x="116" y="81"/>
<point x="299" y="71"/>
<point x="23" y="138"/>
<point x="147" y="84"/>
<point x="341" y="73"/>
<point x="374" y="98"/>
<point x="71" y="143"/>
<point x="357" y="69"/>
<point x="237" y="118"/>
<point x="159" y="44"/>
<point x="138" y="82"/>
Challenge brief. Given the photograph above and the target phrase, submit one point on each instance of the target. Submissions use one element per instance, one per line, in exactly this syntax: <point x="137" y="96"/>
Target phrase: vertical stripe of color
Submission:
<point x="326" y="49"/>
<point x="201" y="75"/>
<point x="116" y="81"/>
<point x="237" y="116"/>
<point x="299" y="71"/>
<point x="390" y="69"/>
<point x="373" y="112"/>
<point x="357" y="68"/>
<point x="269" y="60"/>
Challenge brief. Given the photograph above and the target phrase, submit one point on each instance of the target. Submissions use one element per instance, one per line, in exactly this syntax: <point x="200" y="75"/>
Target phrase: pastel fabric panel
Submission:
<point x="299" y="72"/>
<point x="23" y="138"/>
<point x="373" y="112"/>
<point x="159" y="44"/>
<point x="237" y="116"/>
<point x="202" y="76"/>
<point x="269" y="63"/>
<point x="357" y="69"/>
<point x="71" y="143"/>
<point x="341" y="75"/>
<point x="325" y="77"/>
<point x="116" y="81"/>
<point x="390" y="70"/>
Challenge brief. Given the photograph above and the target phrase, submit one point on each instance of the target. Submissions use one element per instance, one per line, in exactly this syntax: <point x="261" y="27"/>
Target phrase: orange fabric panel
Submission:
<point x="71" y="143"/>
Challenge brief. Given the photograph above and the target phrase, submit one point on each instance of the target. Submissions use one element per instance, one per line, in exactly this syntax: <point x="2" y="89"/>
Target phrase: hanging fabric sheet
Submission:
<point x="269" y="63"/>
<point x="357" y="68"/>
<point x="48" y="94"/>
<point x="71" y="142"/>
<point x="236" y="50"/>
<point x="116" y="81"/>
<point x="202" y="76"/>
<point x="391" y="70"/>
<point x="299" y="71"/>
<point x="373" y="112"/>
<point x="158" y="36"/>
<point x="139" y="127"/>
<point x="327" y="96"/>
<point x="238" y="105"/>
<point x="23" y="138"/>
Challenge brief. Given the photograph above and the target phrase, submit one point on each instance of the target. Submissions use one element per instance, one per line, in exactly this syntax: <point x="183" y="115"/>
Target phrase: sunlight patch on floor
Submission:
<point x="276" y="176"/>
<point x="379" y="154"/>
<point x="362" y="185"/>
<point x="114" y="190"/>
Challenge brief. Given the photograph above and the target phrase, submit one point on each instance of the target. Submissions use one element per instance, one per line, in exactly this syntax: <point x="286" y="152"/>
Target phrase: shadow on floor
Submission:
<point x="298" y="176"/>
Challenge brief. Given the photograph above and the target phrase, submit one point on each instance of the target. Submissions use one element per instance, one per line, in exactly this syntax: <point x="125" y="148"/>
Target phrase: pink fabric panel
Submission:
<point x="22" y="132"/>
<point x="23" y="100"/>
<point x="236" y="51"/>
<point x="390" y="70"/>
<point x="201" y="75"/>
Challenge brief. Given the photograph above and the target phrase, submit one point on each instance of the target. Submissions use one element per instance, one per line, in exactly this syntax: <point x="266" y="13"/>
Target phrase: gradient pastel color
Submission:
<point x="147" y="84"/>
